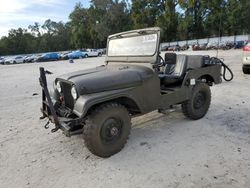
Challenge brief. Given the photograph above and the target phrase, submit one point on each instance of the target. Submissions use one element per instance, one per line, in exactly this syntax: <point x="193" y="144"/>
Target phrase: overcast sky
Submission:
<point x="22" y="13"/>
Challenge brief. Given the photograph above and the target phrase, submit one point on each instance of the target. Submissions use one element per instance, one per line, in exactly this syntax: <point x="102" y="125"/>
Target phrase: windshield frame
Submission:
<point x="135" y="58"/>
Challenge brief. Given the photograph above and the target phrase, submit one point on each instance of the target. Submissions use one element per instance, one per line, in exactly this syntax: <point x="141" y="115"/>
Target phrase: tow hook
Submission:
<point x="42" y="117"/>
<point x="46" y="126"/>
<point x="55" y="129"/>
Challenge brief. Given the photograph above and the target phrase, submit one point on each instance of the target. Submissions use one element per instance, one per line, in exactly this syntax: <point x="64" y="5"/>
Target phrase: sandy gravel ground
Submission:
<point x="163" y="150"/>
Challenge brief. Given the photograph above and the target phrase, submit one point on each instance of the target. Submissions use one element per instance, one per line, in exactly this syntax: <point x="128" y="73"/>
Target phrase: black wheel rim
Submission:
<point x="199" y="100"/>
<point x="111" y="130"/>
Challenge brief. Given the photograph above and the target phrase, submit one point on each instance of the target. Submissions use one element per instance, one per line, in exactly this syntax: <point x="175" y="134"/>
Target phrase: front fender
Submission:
<point x="85" y="102"/>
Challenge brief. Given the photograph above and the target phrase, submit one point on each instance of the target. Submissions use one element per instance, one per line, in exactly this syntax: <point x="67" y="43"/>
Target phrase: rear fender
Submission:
<point x="212" y="73"/>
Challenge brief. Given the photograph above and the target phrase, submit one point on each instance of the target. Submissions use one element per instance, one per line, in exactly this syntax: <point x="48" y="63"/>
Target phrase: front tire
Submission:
<point x="246" y="70"/>
<point x="107" y="129"/>
<point x="197" y="106"/>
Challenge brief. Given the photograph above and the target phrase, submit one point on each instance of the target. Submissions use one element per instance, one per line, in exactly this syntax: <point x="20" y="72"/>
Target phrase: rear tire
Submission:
<point x="197" y="106"/>
<point x="246" y="70"/>
<point x="107" y="129"/>
<point x="86" y="55"/>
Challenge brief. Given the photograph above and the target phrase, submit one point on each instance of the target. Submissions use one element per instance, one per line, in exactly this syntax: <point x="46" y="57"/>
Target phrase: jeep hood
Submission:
<point x="106" y="78"/>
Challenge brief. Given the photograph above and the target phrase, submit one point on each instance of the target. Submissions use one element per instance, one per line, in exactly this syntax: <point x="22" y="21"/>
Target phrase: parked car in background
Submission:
<point x="198" y="46"/>
<point x="164" y="48"/>
<point x="239" y="44"/>
<point x="48" y="57"/>
<point x="75" y="55"/>
<point x="171" y="48"/>
<point x="2" y="60"/>
<point x="212" y="46"/>
<point x="14" y="60"/>
<point x="246" y="59"/>
<point x="229" y="45"/>
<point x="30" y="58"/>
<point x="92" y="53"/>
<point x="203" y="46"/>
<point x="174" y="48"/>
<point x="225" y="45"/>
<point x="177" y="47"/>
<point x="102" y="51"/>
<point x="64" y="55"/>
<point x="222" y="45"/>
<point x="184" y="47"/>
<point x="195" y="47"/>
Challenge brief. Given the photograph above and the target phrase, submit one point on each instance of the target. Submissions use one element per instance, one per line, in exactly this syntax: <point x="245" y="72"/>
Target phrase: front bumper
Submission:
<point x="56" y="114"/>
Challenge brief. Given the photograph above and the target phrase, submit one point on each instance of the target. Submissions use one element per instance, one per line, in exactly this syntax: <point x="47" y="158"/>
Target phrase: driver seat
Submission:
<point x="170" y="62"/>
<point x="174" y="71"/>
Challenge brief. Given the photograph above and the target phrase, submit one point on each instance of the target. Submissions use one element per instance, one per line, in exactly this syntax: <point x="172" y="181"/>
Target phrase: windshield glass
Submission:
<point x="139" y="45"/>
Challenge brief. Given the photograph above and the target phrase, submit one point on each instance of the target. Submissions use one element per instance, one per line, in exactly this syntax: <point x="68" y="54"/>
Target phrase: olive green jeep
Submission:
<point x="100" y="102"/>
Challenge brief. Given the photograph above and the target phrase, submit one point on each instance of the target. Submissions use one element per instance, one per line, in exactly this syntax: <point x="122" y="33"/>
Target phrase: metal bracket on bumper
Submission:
<point x="48" y="111"/>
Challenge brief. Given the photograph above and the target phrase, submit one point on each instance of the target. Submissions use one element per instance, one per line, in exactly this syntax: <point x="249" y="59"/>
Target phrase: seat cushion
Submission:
<point x="171" y="80"/>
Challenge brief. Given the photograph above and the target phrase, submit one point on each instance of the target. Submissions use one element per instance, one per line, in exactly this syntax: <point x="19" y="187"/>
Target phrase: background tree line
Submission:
<point x="89" y="27"/>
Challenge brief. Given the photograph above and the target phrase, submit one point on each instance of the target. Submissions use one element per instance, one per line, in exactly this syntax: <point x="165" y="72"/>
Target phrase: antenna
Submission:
<point x="217" y="52"/>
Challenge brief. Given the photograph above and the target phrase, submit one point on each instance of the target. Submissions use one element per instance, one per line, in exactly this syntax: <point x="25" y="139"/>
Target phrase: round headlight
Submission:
<point x="58" y="87"/>
<point x="74" y="92"/>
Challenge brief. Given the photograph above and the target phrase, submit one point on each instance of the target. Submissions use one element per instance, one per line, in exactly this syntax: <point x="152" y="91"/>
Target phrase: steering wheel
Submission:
<point x="161" y="61"/>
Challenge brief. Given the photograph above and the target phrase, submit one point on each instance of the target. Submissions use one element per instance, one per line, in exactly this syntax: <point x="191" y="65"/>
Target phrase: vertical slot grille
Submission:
<point x="68" y="99"/>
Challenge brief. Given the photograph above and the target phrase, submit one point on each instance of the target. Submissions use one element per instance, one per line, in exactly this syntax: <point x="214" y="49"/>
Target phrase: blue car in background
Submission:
<point x="74" y="55"/>
<point x="48" y="57"/>
<point x="239" y="44"/>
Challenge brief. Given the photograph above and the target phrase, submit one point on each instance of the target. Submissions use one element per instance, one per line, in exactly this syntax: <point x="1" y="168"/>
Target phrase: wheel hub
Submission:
<point x="114" y="131"/>
<point x="111" y="130"/>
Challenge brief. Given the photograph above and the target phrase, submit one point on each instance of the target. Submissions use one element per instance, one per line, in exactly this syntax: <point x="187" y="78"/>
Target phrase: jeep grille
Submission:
<point x="68" y="99"/>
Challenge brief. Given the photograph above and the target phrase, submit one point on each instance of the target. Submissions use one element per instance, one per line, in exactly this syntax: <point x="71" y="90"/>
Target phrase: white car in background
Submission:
<point x="15" y="60"/>
<point x="2" y="60"/>
<point x="30" y="58"/>
<point x="246" y="59"/>
<point x="102" y="51"/>
<point x="92" y="53"/>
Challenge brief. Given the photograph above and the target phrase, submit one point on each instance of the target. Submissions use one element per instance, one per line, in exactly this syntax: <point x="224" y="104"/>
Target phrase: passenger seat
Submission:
<point x="174" y="72"/>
